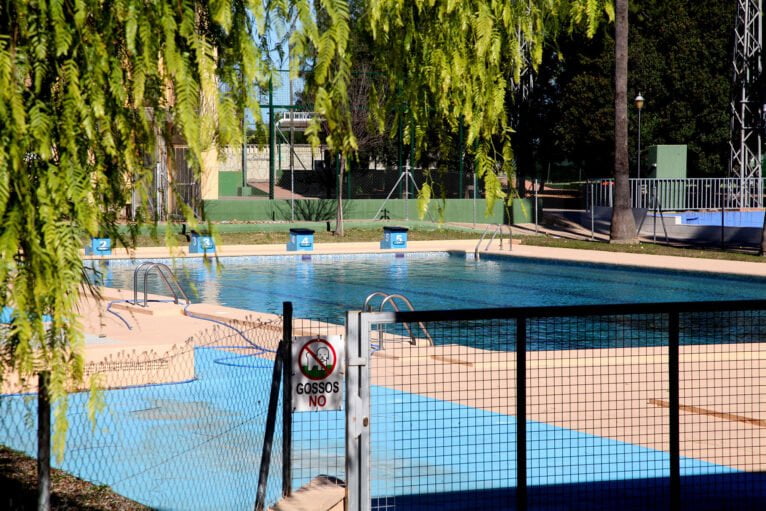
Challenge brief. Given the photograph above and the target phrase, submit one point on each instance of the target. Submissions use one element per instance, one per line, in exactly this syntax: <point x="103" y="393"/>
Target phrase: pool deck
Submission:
<point x="519" y="250"/>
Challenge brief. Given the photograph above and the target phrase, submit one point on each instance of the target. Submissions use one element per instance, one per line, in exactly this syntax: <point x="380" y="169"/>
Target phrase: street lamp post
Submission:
<point x="639" y="102"/>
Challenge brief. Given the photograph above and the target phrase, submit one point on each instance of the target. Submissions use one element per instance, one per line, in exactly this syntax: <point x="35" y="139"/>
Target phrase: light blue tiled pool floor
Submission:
<point x="196" y="445"/>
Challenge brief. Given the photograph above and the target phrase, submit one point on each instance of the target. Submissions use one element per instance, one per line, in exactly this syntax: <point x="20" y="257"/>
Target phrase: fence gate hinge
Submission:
<point x="357" y="361"/>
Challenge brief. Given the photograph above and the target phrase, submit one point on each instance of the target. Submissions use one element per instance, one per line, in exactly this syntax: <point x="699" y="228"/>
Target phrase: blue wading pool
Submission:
<point x="166" y="445"/>
<point x="730" y="218"/>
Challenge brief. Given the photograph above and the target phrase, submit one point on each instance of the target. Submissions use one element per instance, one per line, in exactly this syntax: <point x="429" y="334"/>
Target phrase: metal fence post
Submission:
<point x="723" y="224"/>
<point x="287" y="398"/>
<point x="674" y="405"/>
<point x="535" y="185"/>
<point x="272" y="141"/>
<point x="271" y="419"/>
<point x="521" y="414"/>
<point x="591" y="190"/>
<point x="357" y="413"/>
<point x="474" y="197"/>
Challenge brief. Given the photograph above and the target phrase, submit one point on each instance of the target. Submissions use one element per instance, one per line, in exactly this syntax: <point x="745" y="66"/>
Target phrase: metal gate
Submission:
<point x="184" y="184"/>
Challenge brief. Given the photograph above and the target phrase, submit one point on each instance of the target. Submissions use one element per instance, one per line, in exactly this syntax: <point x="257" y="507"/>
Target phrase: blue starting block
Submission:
<point x="99" y="247"/>
<point x="301" y="239"/>
<point x="201" y="244"/>
<point x="394" y="237"/>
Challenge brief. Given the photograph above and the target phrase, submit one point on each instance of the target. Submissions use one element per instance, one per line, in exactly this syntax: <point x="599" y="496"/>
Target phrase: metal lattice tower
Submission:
<point x="746" y="105"/>
<point x="526" y="79"/>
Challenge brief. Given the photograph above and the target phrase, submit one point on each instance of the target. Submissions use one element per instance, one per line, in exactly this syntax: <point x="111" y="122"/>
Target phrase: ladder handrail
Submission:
<point x="366" y="307"/>
<point x="497" y="229"/>
<point x="391" y="299"/>
<point x="165" y="273"/>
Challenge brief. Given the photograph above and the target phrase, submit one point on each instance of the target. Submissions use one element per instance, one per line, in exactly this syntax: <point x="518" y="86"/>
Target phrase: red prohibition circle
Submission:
<point x="313" y="374"/>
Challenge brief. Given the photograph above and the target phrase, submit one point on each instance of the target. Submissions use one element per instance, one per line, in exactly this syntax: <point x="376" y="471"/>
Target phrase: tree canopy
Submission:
<point x="679" y="60"/>
<point x="87" y="89"/>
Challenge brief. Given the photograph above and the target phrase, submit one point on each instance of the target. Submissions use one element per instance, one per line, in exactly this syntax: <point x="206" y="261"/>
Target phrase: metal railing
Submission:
<point x="680" y="194"/>
<point x="297" y="120"/>
<point x="392" y="300"/>
<point x="496" y="230"/>
<point x="166" y="275"/>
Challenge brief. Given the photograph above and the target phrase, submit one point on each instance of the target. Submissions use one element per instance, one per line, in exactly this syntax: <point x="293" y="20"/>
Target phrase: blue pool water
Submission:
<point x="193" y="445"/>
<point x="327" y="286"/>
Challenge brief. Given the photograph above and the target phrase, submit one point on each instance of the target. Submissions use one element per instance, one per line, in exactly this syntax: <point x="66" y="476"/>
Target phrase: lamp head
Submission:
<point x="639" y="101"/>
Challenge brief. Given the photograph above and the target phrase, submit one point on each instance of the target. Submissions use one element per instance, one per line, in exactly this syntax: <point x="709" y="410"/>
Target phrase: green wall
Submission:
<point x="228" y="182"/>
<point x="523" y="211"/>
<point x="455" y="210"/>
<point x="666" y="162"/>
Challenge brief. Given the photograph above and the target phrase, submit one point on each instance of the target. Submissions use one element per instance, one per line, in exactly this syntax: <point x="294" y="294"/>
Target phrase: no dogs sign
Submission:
<point x="317" y="373"/>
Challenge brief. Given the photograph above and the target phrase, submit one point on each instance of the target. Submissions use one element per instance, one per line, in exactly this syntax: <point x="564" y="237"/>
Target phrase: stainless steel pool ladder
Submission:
<point x="497" y="229"/>
<point x="391" y="299"/>
<point x="165" y="274"/>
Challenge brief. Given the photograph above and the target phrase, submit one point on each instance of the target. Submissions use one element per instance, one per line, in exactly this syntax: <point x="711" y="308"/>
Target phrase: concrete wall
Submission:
<point x="257" y="160"/>
<point x="456" y="210"/>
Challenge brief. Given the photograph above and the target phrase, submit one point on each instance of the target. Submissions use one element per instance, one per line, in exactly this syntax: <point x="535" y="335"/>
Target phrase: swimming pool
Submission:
<point x="327" y="286"/>
<point x="167" y="444"/>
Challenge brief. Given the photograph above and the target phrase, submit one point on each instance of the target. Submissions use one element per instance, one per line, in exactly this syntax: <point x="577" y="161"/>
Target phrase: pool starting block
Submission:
<point x="394" y="237"/>
<point x="201" y="244"/>
<point x="99" y="247"/>
<point x="301" y="239"/>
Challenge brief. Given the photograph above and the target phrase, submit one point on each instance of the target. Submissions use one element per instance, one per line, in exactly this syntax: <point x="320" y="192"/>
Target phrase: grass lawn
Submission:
<point x="646" y="248"/>
<point x="278" y="233"/>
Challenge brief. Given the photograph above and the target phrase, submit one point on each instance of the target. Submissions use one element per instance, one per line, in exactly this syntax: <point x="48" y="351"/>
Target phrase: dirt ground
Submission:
<point x="18" y="488"/>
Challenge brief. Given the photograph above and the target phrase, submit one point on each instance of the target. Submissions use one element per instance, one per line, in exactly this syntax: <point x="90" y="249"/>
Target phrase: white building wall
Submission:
<point x="257" y="159"/>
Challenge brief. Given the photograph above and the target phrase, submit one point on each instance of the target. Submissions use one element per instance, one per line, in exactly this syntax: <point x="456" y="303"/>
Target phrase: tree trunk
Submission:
<point x="339" y="217"/>
<point x="623" y="229"/>
<point x="43" y="443"/>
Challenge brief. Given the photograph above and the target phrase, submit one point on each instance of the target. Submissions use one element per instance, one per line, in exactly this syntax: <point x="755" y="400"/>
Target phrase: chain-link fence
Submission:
<point x="638" y="407"/>
<point x="312" y="436"/>
<point x="179" y="430"/>
<point x="380" y="182"/>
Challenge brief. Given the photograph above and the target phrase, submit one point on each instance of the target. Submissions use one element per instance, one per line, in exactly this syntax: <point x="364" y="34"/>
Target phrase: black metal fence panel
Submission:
<point x="657" y="406"/>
